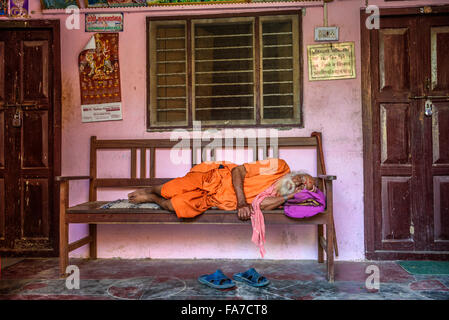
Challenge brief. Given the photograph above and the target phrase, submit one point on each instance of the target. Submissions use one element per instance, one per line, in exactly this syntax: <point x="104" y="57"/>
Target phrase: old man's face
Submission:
<point x="291" y="183"/>
<point x="303" y="181"/>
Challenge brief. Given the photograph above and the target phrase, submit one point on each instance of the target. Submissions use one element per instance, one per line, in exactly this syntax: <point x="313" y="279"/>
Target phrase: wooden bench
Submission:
<point x="90" y="212"/>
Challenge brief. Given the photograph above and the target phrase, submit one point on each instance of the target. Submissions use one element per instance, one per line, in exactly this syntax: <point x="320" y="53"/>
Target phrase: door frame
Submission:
<point x="367" y="123"/>
<point x="54" y="26"/>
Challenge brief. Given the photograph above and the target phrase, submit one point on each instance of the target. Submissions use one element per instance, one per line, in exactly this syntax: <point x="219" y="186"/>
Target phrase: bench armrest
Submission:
<point x="67" y="178"/>
<point x="327" y="177"/>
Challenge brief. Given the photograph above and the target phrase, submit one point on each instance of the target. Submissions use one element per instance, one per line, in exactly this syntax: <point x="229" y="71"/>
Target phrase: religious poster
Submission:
<point x="184" y="2"/>
<point x="100" y="79"/>
<point x="58" y="4"/>
<point x="3" y="7"/>
<point x="127" y="3"/>
<point x="104" y="22"/>
<point x="18" y="8"/>
<point x="331" y="61"/>
<point x="96" y="3"/>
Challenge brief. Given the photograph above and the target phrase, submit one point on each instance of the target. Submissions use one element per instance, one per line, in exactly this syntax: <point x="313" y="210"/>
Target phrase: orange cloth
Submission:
<point x="207" y="185"/>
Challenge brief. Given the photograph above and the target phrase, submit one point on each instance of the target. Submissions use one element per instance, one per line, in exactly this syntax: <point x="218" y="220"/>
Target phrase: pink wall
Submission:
<point x="332" y="107"/>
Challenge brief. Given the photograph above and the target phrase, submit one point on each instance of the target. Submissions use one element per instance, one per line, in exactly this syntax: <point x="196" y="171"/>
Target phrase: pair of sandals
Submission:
<point x="219" y="280"/>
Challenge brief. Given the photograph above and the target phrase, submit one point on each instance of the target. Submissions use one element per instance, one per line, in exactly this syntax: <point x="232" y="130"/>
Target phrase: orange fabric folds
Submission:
<point x="209" y="184"/>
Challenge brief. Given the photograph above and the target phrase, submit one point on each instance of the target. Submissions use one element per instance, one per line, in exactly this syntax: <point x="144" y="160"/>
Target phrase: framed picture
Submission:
<point x="127" y="3"/>
<point x="3" y="7"/>
<point x="96" y="3"/>
<point x="184" y="2"/>
<point x="58" y="4"/>
<point x="19" y="8"/>
<point x="104" y="22"/>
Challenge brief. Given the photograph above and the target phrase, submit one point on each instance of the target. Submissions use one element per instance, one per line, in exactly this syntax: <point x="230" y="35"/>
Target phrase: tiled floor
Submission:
<point x="177" y="279"/>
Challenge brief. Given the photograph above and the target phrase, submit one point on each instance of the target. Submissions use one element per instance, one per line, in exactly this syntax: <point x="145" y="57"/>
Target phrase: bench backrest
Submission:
<point x="260" y="148"/>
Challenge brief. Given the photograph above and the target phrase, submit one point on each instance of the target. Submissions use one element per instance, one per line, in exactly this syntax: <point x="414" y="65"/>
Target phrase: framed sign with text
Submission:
<point x="104" y="22"/>
<point x="331" y="61"/>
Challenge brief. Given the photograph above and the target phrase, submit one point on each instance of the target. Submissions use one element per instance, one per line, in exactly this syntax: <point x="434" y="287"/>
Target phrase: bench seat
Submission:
<point x="90" y="212"/>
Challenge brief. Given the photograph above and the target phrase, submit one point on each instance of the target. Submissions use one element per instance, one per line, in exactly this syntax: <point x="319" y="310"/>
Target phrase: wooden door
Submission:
<point x="406" y="148"/>
<point x="27" y="224"/>
<point x="436" y="130"/>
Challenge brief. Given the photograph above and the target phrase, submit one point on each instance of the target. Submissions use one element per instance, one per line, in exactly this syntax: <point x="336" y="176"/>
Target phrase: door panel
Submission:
<point x="35" y="206"/>
<point x="35" y="139"/>
<point x="439" y="47"/>
<point x="397" y="212"/>
<point x="2" y="209"/>
<point x="394" y="64"/>
<point x="35" y="75"/>
<point x="2" y="139"/>
<point x="441" y="208"/>
<point x="440" y="136"/>
<point x="2" y="72"/>
<point x="395" y="133"/>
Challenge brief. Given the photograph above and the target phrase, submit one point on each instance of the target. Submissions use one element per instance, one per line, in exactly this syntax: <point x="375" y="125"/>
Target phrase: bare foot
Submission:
<point x="140" y="196"/>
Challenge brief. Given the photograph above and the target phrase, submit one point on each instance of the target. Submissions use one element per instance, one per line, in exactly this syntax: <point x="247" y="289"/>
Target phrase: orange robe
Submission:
<point x="209" y="184"/>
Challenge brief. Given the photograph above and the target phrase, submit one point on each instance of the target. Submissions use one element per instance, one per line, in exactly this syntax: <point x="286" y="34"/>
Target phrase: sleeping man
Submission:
<point x="226" y="186"/>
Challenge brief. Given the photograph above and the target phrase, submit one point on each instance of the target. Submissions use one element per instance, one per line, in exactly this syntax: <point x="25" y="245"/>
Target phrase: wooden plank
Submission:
<point x="93" y="168"/>
<point x="143" y="163"/>
<point x="166" y="143"/>
<point x="133" y="163"/>
<point x="321" y="248"/>
<point x="124" y="182"/>
<point x="63" y="227"/>
<point x="93" y="242"/>
<point x="77" y="244"/>
<point x="67" y="178"/>
<point x="90" y="212"/>
<point x="152" y="162"/>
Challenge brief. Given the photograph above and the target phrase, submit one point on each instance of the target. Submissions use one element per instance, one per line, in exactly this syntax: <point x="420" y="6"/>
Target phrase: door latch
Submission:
<point x="428" y="108"/>
<point x="17" y="119"/>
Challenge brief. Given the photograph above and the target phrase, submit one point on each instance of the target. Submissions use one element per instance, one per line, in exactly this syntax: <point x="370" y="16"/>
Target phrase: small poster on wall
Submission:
<point x="58" y="4"/>
<point x="100" y="79"/>
<point x="96" y="3"/>
<point x="104" y="22"/>
<point x="18" y="8"/>
<point x="127" y="3"/>
<point x="3" y="7"/>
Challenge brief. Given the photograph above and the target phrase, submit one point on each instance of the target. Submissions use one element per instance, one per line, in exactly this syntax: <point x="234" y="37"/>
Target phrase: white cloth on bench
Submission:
<point x="124" y="203"/>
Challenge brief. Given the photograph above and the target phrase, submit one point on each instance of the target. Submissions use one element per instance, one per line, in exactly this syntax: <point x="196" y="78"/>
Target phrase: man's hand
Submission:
<point x="244" y="212"/>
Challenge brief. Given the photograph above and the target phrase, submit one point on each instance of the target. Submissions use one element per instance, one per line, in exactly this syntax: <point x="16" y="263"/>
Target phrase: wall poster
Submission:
<point x="100" y="79"/>
<point x="104" y="22"/>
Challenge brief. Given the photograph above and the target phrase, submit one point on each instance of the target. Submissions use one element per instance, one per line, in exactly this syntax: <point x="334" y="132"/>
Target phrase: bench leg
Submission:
<point x="63" y="248"/>
<point x="63" y="230"/>
<point x="330" y="251"/>
<point x="320" y="248"/>
<point x="93" y="243"/>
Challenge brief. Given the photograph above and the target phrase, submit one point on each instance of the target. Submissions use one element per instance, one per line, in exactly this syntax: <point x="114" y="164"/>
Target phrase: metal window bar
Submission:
<point x="225" y="35"/>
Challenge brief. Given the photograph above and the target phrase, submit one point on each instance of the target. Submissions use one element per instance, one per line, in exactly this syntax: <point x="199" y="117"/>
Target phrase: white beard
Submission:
<point x="286" y="185"/>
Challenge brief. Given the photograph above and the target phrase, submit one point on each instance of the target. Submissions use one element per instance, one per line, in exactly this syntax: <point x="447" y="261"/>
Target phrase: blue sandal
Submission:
<point x="216" y="280"/>
<point x="251" y="277"/>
